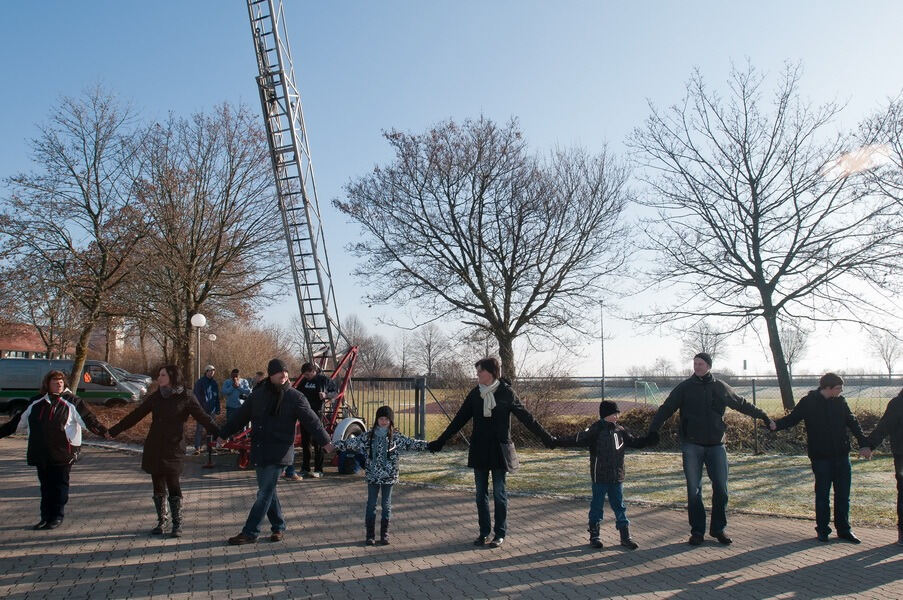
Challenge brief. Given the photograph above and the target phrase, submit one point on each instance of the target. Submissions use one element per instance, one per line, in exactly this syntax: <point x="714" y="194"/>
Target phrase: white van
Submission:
<point x="20" y="380"/>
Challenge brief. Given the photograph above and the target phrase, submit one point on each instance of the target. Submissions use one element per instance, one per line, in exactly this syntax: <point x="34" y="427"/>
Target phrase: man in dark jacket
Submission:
<point x="702" y="400"/>
<point x="206" y="390"/>
<point x="606" y="441"/>
<point x="891" y="424"/>
<point x="491" y="405"/>
<point x="827" y="418"/>
<point x="316" y="387"/>
<point x="273" y="408"/>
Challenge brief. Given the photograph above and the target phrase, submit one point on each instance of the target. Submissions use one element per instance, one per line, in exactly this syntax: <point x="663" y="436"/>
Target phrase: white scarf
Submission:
<point x="486" y="392"/>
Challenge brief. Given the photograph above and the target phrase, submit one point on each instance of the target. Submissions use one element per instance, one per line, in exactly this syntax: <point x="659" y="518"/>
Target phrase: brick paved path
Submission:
<point x="102" y="550"/>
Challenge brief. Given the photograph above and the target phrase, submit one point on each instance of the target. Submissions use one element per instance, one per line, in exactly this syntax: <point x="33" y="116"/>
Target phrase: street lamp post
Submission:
<point x="602" y="338"/>
<point x="198" y="321"/>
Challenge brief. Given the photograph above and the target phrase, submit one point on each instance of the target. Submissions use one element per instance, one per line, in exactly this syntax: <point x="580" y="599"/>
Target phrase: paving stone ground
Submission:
<point x="103" y="549"/>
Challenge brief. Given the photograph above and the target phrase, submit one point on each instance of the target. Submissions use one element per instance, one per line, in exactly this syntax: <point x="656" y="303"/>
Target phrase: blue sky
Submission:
<point x="572" y="72"/>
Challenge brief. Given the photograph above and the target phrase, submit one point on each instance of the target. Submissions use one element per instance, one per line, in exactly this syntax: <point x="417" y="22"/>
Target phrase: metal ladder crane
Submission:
<point x="296" y="191"/>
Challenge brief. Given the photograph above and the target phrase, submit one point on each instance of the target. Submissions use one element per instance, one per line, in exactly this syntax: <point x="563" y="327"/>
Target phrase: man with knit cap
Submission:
<point x="273" y="408"/>
<point x="702" y="400"/>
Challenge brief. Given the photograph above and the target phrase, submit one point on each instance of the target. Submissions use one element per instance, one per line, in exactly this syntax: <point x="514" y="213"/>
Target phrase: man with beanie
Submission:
<point x="206" y="390"/>
<point x="702" y="400"/>
<point x="606" y="441"/>
<point x="273" y="408"/>
<point x="827" y="418"/>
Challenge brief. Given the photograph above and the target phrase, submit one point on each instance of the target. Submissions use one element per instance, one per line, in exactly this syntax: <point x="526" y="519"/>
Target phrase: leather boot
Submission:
<point x="162" y="515"/>
<point x="594" y="540"/>
<point x="175" y="505"/>
<point x="625" y="538"/>
<point x="370" y="524"/>
<point x="384" y="532"/>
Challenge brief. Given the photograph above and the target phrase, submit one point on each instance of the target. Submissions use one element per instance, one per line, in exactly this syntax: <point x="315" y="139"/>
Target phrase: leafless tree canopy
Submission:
<point x="75" y="215"/>
<point x="465" y="222"/>
<point x="886" y="347"/>
<point x="794" y="340"/>
<point x="754" y="220"/>
<point x="704" y="337"/>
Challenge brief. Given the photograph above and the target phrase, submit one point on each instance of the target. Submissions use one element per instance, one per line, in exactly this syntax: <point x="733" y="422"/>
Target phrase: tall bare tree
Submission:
<point x="430" y="348"/>
<point x="215" y="236"/>
<point x="704" y="337"/>
<point x="754" y="219"/>
<point x="886" y="347"/>
<point x="465" y="222"/>
<point x="75" y="214"/>
<point x="795" y="342"/>
<point x="375" y="353"/>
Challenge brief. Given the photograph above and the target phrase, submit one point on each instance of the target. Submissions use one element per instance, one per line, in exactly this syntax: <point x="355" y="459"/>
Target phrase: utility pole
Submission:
<point x="602" y="339"/>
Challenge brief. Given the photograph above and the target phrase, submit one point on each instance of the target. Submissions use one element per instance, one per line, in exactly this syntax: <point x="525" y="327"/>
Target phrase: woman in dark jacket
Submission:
<point x="491" y="405"/>
<point x="891" y="424"/>
<point x="53" y="421"/>
<point x="164" y="449"/>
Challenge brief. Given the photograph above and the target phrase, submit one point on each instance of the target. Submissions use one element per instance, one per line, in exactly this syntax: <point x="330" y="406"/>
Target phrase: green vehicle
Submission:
<point x="20" y="380"/>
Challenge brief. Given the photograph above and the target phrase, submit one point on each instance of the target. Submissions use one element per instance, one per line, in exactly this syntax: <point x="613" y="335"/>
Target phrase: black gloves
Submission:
<point x="551" y="442"/>
<point x="652" y="438"/>
<point x="434" y="446"/>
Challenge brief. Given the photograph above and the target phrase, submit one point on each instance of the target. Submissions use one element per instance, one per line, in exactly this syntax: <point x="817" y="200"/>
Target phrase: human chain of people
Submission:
<point x="55" y="419"/>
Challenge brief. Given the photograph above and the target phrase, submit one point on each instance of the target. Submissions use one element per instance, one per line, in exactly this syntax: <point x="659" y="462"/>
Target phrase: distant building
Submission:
<point x="18" y="340"/>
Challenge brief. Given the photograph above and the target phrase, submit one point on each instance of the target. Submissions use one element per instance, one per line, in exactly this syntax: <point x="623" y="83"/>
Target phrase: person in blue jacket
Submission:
<point x="206" y="390"/>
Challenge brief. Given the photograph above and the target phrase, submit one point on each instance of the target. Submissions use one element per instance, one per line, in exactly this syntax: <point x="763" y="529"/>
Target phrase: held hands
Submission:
<point x="865" y="452"/>
<point x="551" y="442"/>
<point x="434" y="446"/>
<point x="652" y="438"/>
<point x="772" y="425"/>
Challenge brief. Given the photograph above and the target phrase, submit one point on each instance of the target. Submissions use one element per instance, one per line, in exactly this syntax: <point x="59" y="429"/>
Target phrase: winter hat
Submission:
<point x="705" y="356"/>
<point x="385" y="411"/>
<point x="209" y="368"/>
<point x="607" y="407"/>
<point x="276" y="366"/>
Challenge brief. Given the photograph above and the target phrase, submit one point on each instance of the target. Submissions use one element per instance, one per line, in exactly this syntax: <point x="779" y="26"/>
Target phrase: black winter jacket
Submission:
<point x="164" y="448"/>
<point x="273" y="416"/>
<point x="827" y="421"/>
<point x="311" y="389"/>
<point x="891" y="424"/>
<point x="606" y="442"/>
<point x="490" y="444"/>
<point x="54" y="425"/>
<point x="702" y="402"/>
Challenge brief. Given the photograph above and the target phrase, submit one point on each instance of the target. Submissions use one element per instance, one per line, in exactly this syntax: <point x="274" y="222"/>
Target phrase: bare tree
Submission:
<point x="795" y="342"/>
<point x="704" y="337"/>
<point x="215" y="237"/>
<point x="662" y="367"/>
<point x="886" y="347"/>
<point x="754" y="220"/>
<point x="465" y="222"/>
<point x="403" y="354"/>
<point x="430" y="347"/>
<point x="374" y="352"/>
<point x="75" y="215"/>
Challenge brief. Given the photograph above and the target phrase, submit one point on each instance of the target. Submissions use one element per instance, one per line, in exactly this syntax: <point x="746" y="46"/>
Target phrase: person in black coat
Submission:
<point x="273" y="408"/>
<point x="702" y="401"/>
<point x="53" y="420"/>
<point x="891" y="424"/>
<point x="491" y="405"/>
<point x="607" y="441"/>
<point x="317" y="388"/>
<point x="827" y="418"/>
<point x="170" y="405"/>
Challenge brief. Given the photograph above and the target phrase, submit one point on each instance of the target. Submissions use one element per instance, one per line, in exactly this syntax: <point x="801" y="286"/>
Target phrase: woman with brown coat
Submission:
<point x="164" y="449"/>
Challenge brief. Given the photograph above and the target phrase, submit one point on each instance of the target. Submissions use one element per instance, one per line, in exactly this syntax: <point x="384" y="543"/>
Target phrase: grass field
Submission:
<point x="776" y="485"/>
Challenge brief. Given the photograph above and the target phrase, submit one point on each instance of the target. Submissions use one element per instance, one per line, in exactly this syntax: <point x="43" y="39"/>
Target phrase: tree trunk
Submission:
<point x="186" y="354"/>
<point x="506" y="353"/>
<point x="108" y="344"/>
<point x="780" y="363"/>
<point x="81" y="353"/>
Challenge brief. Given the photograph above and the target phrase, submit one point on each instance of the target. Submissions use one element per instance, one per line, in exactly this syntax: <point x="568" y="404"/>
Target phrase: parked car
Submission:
<point x="20" y="380"/>
<point x="123" y="375"/>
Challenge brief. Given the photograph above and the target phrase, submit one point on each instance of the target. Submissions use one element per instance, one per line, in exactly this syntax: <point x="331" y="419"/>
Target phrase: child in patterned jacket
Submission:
<point x="381" y="446"/>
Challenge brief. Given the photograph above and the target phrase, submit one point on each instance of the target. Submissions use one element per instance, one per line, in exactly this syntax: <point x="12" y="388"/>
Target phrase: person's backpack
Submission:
<point x="351" y="462"/>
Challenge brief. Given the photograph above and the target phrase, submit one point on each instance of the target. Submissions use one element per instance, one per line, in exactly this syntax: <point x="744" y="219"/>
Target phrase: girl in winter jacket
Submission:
<point x="170" y="405"/>
<point x="53" y="421"/>
<point x="381" y="446"/>
<point x="606" y="441"/>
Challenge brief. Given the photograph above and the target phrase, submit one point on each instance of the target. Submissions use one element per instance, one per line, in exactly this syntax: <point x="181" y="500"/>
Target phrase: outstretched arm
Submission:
<point x="525" y="417"/>
<point x="131" y="419"/>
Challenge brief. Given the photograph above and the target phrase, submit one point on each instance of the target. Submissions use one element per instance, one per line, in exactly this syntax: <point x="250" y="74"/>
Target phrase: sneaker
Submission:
<point x="241" y="539"/>
<point x="722" y="538"/>
<point x="197" y="451"/>
<point x="276" y="536"/>
<point x="496" y="542"/>
<point x="40" y="524"/>
<point x="823" y="537"/>
<point x="53" y="523"/>
<point x="696" y="539"/>
<point x="292" y="477"/>
<point x="317" y="474"/>
<point x="481" y="541"/>
<point x="848" y="536"/>
<point x="306" y="474"/>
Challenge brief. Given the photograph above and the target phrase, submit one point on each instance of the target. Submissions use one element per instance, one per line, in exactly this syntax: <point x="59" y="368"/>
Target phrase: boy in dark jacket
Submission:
<point x="827" y="418"/>
<point x="891" y="424"/>
<point x="606" y="441"/>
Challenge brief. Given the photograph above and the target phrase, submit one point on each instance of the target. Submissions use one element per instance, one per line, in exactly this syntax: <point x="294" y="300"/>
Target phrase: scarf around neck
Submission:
<point x="488" y="395"/>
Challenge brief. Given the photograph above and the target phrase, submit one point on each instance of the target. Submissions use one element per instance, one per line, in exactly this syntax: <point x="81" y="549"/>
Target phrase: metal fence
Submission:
<point x="405" y="395"/>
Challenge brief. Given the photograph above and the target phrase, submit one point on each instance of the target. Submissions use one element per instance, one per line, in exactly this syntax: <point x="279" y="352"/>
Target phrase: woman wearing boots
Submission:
<point x="381" y="445"/>
<point x="164" y="449"/>
<point x="53" y="421"/>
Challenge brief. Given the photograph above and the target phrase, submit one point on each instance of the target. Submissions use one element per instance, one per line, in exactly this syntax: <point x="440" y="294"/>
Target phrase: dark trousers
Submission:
<point x="166" y="481"/>
<point x="829" y="472"/>
<point x="499" y="494"/>
<point x="306" y="443"/>
<point x="54" y="490"/>
<point x="715" y="460"/>
<point x="898" y="473"/>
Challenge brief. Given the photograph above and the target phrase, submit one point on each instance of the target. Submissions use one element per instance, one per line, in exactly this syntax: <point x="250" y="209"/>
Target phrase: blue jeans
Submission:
<point x="267" y="502"/>
<point x="481" y="480"/>
<point x="372" y="490"/>
<point x="837" y="472"/>
<point x="290" y="470"/>
<point x="715" y="460"/>
<point x="615" y="492"/>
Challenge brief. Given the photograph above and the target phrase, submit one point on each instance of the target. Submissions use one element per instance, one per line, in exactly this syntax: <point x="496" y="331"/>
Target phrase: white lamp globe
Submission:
<point x="198" y="320"/>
